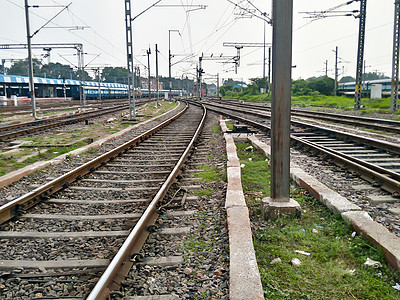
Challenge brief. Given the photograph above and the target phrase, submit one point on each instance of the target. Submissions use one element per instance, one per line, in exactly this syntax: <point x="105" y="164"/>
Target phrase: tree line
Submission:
<point x="301" y="87"/>
<point x="107" y="74"/>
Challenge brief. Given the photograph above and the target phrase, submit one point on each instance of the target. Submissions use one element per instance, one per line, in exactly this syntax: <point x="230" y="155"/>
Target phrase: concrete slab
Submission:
<point x="395" y="211"/>
<point x="163" y="261"/>
<point x="364" y="187"/>
<point x="153" y="297"/>
<point x="377" y="234"/>
<point x="382" y="199"/>
<point x="174" y="231"/>
<point x="245" y="281"/>
<point x="81" y="217"/>
<point x="244" y="277"/>
<point x="272" y="209"/>
<point x="53" y="264"/>
<point x="60" y="235"/>
<point x="234" y="198"/>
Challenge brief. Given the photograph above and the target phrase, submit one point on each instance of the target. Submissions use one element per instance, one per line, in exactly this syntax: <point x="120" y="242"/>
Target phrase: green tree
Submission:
<point x="347" y="79"/>
<point x="324" y="85"/>
<point x="374" y="76"/>
<point x="21" y="68"/>
<point x="57" y="70"/>
<point x="117" y="74"/>
<point x="300" y="87"/>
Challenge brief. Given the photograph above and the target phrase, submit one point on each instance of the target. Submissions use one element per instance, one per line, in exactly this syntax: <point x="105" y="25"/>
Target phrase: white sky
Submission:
<point x="202" y="31"/>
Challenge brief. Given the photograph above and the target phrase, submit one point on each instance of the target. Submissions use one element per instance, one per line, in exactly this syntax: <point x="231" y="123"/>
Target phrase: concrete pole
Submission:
<point x="280" y="202"/>
<point x="31" y="82"/>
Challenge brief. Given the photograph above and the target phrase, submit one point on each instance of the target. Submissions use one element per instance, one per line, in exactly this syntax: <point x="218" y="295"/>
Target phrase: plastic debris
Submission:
<point x="351" y="272"/>
<point x="296" y="262"/>
<point x="250" y="159"/>
<point x="319" y="226"/>
<point x="242" y="166"/>
<point x="314" y="230"/>
<point x="353" y="235"/>
<point x="249" y="148"/>
<point x="303" y="230"/>
<point x="396" y="287"/>
<point x="275" y="261"/>
<point x="373" y="263"/>
<point x="302" y="252"/>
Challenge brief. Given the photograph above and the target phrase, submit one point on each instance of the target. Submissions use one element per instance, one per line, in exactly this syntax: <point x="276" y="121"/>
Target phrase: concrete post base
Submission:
<point x="272" y="209"/>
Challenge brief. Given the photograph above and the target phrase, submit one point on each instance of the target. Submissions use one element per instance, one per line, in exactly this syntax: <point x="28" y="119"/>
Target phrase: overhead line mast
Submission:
<point x="395" y="71"/>
<point x="360" y="54"/>
<point x="129" y="54"/>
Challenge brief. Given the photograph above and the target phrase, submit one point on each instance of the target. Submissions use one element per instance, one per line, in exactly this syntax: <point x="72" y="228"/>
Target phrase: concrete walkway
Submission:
<point x="244" y="277"/>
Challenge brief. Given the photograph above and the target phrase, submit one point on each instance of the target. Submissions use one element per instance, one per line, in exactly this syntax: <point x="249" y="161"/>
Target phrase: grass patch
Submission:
<point x="204" y="192"/>
<point x="229" y="125"/>
<point x="216" y="129"/>
<point x="326" y="273"/>
<point x="210" y="173"/>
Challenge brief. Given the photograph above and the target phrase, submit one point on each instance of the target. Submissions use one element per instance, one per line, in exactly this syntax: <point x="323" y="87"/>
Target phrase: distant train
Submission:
<point x="52" y="88"/>
<point x="348" y="88"/>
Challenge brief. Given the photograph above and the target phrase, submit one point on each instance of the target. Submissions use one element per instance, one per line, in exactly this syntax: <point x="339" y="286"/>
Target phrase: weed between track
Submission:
<point x="334" y="270"/>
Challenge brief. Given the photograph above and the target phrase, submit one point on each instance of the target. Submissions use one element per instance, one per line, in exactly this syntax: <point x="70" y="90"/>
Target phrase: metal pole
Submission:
<point x="395" y="65"/>
<point x="269" y="72"/>
<point x="129" y="55"/>
<point x="157" y="79"/>
<point x="263" y="64"/>
<point x="360" y="54"/>
<point x="169" y="62"/>
<point x="64" y="90"/>
<point x="200" y="73"/>
<point x="31" y="82"/>
<point x="98" y="81"/>
<point x="336" y="71"/>
<point x="281" y="93"/>
<point x="148" y="68"/>
<point x="80" y="69"/>
<point x="218" y="85"/>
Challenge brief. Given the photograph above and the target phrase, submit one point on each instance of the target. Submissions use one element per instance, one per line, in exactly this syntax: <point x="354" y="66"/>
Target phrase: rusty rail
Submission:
<point x="30" y="199"/>
<point x="101" y="290"/>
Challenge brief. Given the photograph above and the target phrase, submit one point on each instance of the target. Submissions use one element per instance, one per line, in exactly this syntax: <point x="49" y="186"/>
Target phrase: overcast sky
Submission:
<point x="202" y="31"/>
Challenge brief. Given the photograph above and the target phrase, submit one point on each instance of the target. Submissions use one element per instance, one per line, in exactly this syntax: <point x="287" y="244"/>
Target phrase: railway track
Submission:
<point x="384" y="125"/>
<point x="19" y="129"/>
<point x="59" y="238"/>
<point x="375" y="160"/>
<point x="60" y="105"/>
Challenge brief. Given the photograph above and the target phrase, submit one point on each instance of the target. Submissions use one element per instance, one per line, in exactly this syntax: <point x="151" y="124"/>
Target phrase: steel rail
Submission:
<point x="373" y="123"/>
<point x="49" y="120"/>
<point x="66" y="120"/>
<point x="17" y="206"/>
<point x="378" y="176"/>
<point x="392" y="147"/>
<point x="101" y="289"/>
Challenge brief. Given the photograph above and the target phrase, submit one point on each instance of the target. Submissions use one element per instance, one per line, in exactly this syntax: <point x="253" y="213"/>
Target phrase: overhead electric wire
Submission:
<point x="39" y="16"/>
